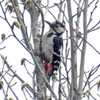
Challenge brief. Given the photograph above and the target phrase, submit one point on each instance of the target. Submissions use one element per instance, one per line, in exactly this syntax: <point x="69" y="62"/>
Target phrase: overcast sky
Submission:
<point x="15" y="52"/>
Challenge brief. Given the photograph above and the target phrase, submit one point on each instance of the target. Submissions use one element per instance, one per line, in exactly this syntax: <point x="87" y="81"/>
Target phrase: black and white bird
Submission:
<point x="52" y="43"/>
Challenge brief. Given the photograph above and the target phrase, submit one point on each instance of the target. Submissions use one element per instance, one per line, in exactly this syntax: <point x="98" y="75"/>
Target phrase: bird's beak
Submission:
<point x="48" y="23"/>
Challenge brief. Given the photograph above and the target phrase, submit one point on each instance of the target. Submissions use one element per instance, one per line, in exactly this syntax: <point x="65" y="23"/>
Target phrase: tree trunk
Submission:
<point x="34" y="14"/>
<point x="83" y="50"/>
<point x="73" y="88"/>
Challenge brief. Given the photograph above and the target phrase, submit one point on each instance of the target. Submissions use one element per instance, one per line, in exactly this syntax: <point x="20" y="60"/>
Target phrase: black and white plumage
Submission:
<point x="57" y="45"/>
<point x="52" y="43"/>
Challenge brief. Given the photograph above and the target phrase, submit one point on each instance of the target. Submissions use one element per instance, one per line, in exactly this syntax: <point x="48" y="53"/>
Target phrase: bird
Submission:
<point x="52" y="43"/>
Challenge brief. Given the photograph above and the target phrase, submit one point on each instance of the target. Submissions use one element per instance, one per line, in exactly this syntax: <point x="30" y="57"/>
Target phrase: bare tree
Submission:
<point x="72" y="81"/>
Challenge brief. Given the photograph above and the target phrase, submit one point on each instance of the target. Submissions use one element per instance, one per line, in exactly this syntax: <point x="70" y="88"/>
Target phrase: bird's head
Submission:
<point x="57" y="27"/>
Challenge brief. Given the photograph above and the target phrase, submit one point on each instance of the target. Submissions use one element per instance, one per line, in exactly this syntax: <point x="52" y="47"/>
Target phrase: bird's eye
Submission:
<point x="57" y="26"/>
<point x="61" y="25"/>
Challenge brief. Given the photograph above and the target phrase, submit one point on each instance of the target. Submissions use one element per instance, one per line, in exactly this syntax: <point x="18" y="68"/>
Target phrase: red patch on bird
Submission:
<point x="48" y="68"/>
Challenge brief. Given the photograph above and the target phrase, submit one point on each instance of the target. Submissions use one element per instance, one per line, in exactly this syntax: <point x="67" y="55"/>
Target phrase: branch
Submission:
<point x="91" y="14"/>
<point x="11" y="89"/>
<point x="19" y="78"/>
<point x="5" y="19"/>
<point x="94" y="27"/>
<point x="91" y="73"/>
<point x="83" y="49"/>
<point x="21" y="21"/>
<point x="91" y="46"/>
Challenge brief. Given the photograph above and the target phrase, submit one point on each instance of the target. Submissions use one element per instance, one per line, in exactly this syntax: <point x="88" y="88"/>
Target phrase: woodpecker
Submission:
<point x="52" y="43"/>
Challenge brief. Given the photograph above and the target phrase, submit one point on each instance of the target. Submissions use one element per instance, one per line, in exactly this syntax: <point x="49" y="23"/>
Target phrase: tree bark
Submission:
<point x="34" y="15"/>
<point x="73" y="55"/>
<point x="83" y="49"/>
